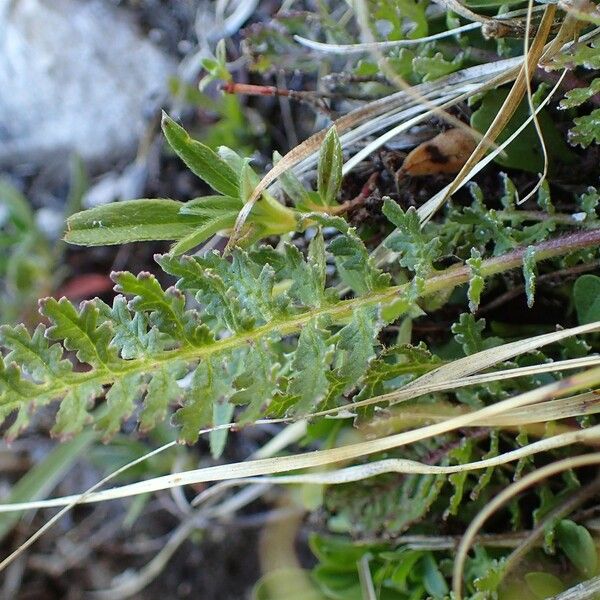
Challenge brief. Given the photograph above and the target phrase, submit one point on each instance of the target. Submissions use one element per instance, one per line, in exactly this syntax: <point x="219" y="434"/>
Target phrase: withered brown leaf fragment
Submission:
<point x="446" y="153"/>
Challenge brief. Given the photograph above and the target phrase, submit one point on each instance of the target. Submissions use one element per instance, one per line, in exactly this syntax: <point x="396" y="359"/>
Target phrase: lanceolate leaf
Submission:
<point x="329" y="176"/>
<point x="214" y="214"/>
<point x="130" y="221"/>
<point x="201" y="160"/>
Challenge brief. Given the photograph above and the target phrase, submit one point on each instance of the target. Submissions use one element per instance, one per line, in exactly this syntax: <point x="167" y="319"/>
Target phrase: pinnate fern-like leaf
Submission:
<point x="216" y="338"/>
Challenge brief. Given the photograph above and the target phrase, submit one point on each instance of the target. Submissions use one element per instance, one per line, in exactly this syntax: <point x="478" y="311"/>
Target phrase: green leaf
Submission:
<point x="213" y="215"/>
<point x="18" y="208"/>
<point x="436" y="66"/>
<point x="73" y="413"/>
<point x="161" y="391"/>
<point x="201" y="276"/>
<point x="467" y="333"/>
<point x="544" y="199"/>
<point x="486" y="477"/>
<point x="586" y="130"/>
<point x="524" y="152"/>
<point x="41" y="360"/>
<point x="589" y="202"/>
<point x="434" y="581"/>
<point x="201" y="160"/>
<point x="308" y="384"/>
<point x="355" y="266"/>
<point x="167" y="307"/>
<point x="584" y="56"/>
<point x="509" y="197"/>
<point x="417" y="249"/>
<point x="303" y="279"/>
<point x="81" y="332"/>
<point x="120" y="402"/>
<point x="544" y="585"/>
<point x="586" y="293"/>
<point x="355" y="346"/>
<point x="476" y="281"/>
<point x="578" y="96"/>
<point x="130" y="221"/>
<point x="461" y="455"/>
<point x="257" y="384"/>
<point x="132" y="337"/>
<point x="248" y="181"/>
<point x="210" y="384"/>
<point x="292" y="186"/>
<point x="529" y="273"/>
<point x="222" y="413"/>
<point x="329" y="172"/>
<point x="577" y="543"/>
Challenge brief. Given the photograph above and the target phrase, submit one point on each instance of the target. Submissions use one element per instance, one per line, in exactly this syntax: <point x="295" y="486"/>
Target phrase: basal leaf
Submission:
<point x="577" y="543"/>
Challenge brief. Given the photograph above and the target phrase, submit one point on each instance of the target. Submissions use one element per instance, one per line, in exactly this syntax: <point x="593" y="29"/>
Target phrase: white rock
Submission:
<point x="75" y="76"/>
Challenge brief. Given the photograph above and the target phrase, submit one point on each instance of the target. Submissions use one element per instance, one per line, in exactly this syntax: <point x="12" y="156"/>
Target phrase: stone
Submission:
<point x="75" y="77"/>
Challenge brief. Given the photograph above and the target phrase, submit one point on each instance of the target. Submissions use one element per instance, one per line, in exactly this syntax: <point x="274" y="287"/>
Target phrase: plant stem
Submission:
<point x="338" y="312"/>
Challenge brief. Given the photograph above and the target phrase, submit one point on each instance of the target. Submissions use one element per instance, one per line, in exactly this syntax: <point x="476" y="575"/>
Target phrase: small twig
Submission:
<point x="365" y="192"/>
<point x="313" y="99"/>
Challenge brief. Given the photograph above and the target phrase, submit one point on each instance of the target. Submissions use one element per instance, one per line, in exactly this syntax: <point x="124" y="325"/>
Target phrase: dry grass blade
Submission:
<point x="510" y="104"/>
<point x="504" y="496"/>
<point x="371" y="46"/>
<point x="427" y="210"/>
<point x="332" y="456"/>
<point x="533" y="112"/>
<point x="398" y="465"/>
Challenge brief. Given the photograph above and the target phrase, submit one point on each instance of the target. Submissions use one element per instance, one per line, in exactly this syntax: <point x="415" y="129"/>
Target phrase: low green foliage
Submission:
<point x="320" y="308"/>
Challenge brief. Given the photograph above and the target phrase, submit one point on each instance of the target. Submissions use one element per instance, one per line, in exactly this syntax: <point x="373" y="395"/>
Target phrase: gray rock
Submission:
<point x="75" y="76"/>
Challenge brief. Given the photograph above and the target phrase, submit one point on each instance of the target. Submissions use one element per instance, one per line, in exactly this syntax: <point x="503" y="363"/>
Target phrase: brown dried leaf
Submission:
<point x="447" y="152"/>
